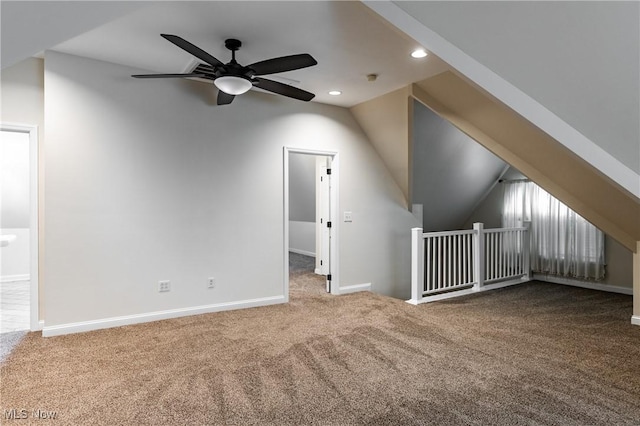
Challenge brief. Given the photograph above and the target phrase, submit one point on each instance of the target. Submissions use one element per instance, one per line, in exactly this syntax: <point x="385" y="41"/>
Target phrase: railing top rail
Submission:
<point x="496" y="230"/>
<point x="448" y="233"/>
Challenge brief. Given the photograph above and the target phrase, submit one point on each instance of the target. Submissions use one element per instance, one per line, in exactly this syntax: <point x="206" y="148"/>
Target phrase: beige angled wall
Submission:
<point x="535" y="154"/>
<point x="386" y="122"/>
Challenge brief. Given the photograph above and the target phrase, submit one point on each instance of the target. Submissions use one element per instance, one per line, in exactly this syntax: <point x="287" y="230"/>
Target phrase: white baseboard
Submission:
<point x="473" y="290"/>
<point x="317" y="271"/>
<point x="79" y="327"/>
<point x="15" y="278"/>
<point x="584" y="284"/>
<point x="303" y="252"/>
<point x="635" y="320"/>
<point x="355" y="288"/>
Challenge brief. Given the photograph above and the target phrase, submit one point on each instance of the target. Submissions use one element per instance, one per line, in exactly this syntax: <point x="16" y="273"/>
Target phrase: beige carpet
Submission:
<point x="526" y="355"/>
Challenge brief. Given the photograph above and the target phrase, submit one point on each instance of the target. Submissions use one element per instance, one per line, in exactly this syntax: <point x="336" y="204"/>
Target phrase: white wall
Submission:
<point x="581" y="60"/>
<point x="302" y="237"/>
<point x="148" y="180"/>
<point x="14" y="179"/>
<point x="302" y="204"/>
<point x="302" y="187"/>
<point x="14" y="258"/>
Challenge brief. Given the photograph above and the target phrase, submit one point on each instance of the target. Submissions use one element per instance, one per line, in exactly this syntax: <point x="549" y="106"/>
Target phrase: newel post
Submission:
<point x="417" y="265"/>
<point x="526" y="250"/>
<point x="478" y="254"/>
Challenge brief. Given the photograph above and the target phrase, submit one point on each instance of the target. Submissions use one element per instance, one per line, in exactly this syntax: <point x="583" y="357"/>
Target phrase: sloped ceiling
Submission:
<point x="580" y="59"/>
<point x="30" y="27"/>
<point x="451" y="172"/>
<point x="347" y="38"/>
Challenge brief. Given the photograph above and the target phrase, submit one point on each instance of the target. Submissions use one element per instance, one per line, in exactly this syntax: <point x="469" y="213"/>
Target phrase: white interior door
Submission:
<point x="323" y="220"/>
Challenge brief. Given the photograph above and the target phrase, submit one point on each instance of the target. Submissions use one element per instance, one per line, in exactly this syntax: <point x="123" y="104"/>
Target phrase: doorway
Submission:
<point x="18" y="228"/>
<point x="310" y="240"/>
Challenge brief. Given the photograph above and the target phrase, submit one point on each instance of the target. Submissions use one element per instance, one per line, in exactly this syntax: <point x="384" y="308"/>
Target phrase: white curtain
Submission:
<point x="562" y="242"/>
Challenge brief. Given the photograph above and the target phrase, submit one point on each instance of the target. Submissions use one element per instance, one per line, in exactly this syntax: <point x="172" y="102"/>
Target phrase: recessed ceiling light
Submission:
<point x="419" y="53"/>
<point x="335" y="93"/>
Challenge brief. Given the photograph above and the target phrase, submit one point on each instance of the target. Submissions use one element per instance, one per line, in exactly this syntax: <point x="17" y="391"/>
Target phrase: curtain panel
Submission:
<point x="562" y="242"/>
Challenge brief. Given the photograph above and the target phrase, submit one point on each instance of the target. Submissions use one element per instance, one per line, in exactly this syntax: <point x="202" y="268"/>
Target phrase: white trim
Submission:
<point x="80" y="327"/>
<point x="304" y="252"/>
<point x="317" y="271"/>
<point x="635" y="320"/>
<point x="335" y="180"/>
<point x="510" y="95"/>
<point x="34" y="306"/>
<point x="473" y="290"/>
<point x="355" y="288"/>
<point x="584" y="284"/>
<point x="14" y="278"/>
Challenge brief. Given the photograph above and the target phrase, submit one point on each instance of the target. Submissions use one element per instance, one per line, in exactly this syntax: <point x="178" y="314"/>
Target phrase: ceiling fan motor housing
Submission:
<point x="232" y="44"/>
<point x="232" y="78"/>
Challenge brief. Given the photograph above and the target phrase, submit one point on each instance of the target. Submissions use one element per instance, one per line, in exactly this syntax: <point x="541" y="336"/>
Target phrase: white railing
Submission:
<point x="451" y="263"/>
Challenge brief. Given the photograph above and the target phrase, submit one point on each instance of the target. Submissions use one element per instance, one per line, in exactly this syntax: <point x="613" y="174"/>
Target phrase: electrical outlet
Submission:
<point x="164" y="286"/>
<point x="212" y="282"/>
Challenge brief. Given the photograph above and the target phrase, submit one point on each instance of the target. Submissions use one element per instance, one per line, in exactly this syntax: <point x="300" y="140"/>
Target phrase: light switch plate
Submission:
<point x="348" y="217"/>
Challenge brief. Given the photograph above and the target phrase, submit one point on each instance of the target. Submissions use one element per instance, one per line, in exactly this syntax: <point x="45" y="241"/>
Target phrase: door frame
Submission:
<point x="34" y="236"/>
<point x="335" y="229"/>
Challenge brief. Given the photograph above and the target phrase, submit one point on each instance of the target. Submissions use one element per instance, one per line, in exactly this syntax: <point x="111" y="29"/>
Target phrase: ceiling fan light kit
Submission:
<point x="232" y="85"/>
<point x="234" y="79"/>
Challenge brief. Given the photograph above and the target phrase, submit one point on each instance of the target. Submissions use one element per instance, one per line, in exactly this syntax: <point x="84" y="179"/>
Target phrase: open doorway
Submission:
<point x="310" y="234"/>
<point x="18" y="228"/>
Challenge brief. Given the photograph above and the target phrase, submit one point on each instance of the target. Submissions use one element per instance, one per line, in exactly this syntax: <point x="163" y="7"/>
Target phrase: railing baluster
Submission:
<point x="437" y="280"/>
<point x="456" y="259"/>
<point x="501" y="252"/>
<point x="427" y="275"/>
<point x="447" y="263"/>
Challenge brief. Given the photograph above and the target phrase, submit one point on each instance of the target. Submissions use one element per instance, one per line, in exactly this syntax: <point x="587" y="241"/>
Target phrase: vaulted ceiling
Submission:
<point x="348" y="40"/>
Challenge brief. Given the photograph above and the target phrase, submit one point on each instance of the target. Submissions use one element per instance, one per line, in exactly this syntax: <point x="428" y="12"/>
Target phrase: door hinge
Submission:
<point x="329" y="277"/>
<point x="329" y="224"/>
<point x="328" y="171"/>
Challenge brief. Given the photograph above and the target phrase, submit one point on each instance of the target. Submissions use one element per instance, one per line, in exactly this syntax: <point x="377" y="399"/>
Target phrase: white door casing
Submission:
<point x="333" y="196"/>
<point x="34" y="305"/>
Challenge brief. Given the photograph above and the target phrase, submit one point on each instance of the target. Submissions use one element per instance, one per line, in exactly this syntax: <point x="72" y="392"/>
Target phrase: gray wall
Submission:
<point x="619" y="260"/>
<point x="149" y="180"/>
<point x="450" y="171"/>
<point x="581" y="60"/>
<point x="302" y="188"/>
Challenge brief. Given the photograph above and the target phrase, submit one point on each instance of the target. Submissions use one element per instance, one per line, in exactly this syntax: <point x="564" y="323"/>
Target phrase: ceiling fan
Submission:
<point x="234" y="79"/>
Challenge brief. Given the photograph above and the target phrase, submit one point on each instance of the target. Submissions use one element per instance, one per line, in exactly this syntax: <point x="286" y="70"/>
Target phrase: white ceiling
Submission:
<point x="347" y="39"/>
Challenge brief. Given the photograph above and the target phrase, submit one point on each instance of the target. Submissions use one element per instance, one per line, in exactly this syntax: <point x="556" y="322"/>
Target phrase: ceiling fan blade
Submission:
<point x="224" y="98"/>
<point x="168" y="75"/>
<point x="283" y="89"/>
<point x="193" y="49"/>
<point x="282" y="64"/>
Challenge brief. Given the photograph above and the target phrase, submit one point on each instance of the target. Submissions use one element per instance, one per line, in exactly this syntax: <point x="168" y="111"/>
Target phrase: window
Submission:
<point x="562" y="242"/>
